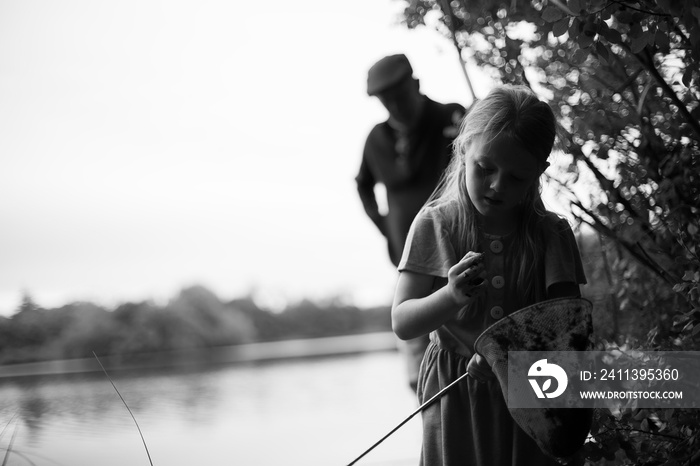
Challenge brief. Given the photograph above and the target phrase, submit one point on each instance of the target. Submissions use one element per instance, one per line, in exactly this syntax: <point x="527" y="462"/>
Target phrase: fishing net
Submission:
<point x="557" y="325"/>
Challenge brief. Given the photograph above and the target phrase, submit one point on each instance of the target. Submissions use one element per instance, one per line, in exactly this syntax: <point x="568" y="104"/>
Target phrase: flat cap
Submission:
<point x="388" y="72"/>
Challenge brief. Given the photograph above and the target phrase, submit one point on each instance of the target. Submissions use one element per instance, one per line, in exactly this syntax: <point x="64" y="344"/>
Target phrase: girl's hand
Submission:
<point x="479" y="369"/>
<point x="465" y="279"/>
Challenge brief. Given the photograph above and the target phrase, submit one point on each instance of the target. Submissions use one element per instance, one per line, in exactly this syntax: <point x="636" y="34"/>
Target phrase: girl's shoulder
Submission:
<point x="553" y="223"/>
<point x="441" y="216"/>
<point x="446" y="210"/>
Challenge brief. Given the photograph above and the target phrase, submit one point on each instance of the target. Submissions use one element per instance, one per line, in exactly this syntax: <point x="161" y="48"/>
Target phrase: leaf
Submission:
<point x="552" y="14"/>
<point x="625" y="16"/>
<point x="613" y="36"/>
<point x="561" y="27"/>
<point x="645" y="425"/>
<point x="636" y="31"/>
<point x="574" y="6"/>
<point x="603" y="151"/>
<point x="662" y="41"/>
<point x="590" y="28"/>
<point x="639" y="43"/>
<point x="585" y="41"/>
<point x="608" y="11"/>
<point x="687" y="77"/>
<point x="579" y="57"/>
<point x="680" y="320"/>
<point x="574" y="29"/>
<point x="546" y="385"/>
<point x="604" y="56"/>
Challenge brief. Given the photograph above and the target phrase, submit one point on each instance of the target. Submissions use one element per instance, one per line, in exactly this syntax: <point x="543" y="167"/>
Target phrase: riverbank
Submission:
<point x="247" y="353"/>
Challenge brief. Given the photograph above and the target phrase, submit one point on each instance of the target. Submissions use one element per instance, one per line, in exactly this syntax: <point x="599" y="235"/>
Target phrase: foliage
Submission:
<point x="307" y="319"/>
<point x="629" y="112"/>
<point x="644" y="437"/>
<point x="623" y="78"/>
<point x="623" y="291"/>
<point x="196" y="318"/>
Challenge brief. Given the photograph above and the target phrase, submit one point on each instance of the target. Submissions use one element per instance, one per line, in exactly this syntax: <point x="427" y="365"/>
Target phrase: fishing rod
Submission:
<point x="436" y="397"/>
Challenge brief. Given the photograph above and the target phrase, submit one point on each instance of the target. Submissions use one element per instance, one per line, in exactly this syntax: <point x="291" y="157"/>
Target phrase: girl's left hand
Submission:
<point x="479" y="369"/>
<point x="465" y="279"/>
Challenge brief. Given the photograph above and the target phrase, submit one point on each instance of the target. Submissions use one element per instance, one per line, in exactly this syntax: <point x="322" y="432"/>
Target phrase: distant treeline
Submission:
<point x="196" y="318"/>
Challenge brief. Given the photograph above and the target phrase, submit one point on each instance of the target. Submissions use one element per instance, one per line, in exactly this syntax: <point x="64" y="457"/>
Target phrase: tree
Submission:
<point x="623" y="78"/>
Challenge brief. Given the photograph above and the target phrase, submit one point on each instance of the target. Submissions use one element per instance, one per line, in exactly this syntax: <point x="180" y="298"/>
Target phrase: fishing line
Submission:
<point x="437" y="396"/>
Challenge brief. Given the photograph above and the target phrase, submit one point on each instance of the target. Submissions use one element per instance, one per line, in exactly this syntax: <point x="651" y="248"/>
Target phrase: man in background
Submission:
<point x="407" y="154"/>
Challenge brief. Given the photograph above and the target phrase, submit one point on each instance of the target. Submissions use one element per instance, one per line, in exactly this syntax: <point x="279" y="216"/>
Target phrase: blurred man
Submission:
<point x="407" y="154"/>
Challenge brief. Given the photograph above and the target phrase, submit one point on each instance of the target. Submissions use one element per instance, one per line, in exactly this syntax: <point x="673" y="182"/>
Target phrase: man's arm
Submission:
<point x="365" y="188"/>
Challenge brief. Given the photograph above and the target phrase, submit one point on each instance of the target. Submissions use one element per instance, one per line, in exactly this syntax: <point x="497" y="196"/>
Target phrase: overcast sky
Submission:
<point x="150" y="145"/>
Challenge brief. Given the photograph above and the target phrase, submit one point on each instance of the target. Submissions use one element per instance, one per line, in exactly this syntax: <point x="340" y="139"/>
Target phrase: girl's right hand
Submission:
<point x="465" y="279"/>
<point x="479" y="369"/>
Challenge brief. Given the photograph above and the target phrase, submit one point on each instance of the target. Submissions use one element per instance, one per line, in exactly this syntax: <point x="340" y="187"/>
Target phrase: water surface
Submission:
<point x="322" y="411"/>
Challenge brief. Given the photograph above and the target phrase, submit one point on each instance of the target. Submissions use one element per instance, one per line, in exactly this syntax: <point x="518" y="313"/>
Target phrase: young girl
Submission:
<point x="483" y="247"/>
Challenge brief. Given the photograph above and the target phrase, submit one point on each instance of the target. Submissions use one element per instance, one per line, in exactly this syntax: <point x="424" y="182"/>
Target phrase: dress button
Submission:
<point x="496" y="246"/>
<point x="498" y="282"/>
<point x="496" y="312"/>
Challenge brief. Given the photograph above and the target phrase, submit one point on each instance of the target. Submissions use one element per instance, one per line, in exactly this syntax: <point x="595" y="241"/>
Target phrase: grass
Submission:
<point x="8" y="450"/>
<point x="127" y="408"/>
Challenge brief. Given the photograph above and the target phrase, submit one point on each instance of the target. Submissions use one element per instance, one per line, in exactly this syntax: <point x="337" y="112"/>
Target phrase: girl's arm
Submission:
<point x="416" y="311"/>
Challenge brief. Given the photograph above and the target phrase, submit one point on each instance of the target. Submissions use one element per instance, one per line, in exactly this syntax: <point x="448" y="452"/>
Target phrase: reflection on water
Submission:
<point x="311" y="412"/>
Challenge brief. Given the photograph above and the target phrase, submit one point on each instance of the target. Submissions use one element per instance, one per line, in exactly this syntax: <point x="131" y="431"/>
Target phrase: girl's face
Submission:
<point x="499" y="176"/>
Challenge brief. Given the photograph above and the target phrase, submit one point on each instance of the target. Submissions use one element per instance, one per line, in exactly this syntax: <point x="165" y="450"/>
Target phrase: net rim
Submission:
<point x="585" y="303"/>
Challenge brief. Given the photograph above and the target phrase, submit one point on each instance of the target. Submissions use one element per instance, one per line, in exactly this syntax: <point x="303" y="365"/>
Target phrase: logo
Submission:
<point x="544" y="369"/>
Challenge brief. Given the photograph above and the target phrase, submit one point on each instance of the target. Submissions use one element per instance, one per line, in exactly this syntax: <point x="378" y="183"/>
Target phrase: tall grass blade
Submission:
<point x="127" y="407"/>
<point x="9" y="447"/>
<point x="27" y="459"/>
<point x="8" y="424"/>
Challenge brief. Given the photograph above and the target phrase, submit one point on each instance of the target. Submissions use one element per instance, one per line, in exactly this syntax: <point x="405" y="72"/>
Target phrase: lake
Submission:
<point x="317" y="411"/>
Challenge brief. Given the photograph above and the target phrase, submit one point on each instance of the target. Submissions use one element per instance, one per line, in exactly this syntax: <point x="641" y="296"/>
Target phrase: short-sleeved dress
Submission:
<point x="471" y="425"/>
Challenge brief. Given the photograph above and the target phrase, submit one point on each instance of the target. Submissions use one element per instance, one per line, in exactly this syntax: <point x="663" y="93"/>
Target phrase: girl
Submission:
<point x="482" y="247"/>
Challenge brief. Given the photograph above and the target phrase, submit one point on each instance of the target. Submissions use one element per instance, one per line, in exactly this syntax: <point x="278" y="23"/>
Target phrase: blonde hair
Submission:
<point x="514" y="112"/>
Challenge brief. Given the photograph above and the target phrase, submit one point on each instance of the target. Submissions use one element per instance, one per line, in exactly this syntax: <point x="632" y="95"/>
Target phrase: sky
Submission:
<point x="148" y="146"/>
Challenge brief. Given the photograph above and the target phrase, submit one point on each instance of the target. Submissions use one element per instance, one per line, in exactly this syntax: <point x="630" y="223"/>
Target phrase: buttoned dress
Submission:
<point x="471" y="425"/>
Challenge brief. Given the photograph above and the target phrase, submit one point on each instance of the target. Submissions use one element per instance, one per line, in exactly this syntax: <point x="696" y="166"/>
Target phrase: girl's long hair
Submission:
<point x="514" y="112"/>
